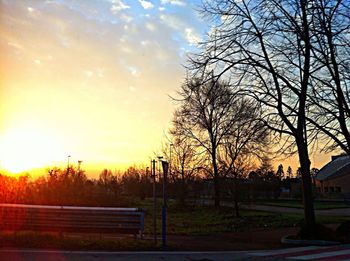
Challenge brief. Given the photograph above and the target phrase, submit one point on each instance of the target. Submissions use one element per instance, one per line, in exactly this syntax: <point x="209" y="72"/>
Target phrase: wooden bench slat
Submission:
<point x="70" y="219"/>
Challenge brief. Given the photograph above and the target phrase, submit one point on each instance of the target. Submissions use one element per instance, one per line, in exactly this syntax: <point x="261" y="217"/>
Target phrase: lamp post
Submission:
<point x="68" y="164"/>
<point x="171" y="145"/>
<point x="79" y="163"/>
<point x="153" y="173"/>
<point x="165" y="166"/>
<point x="159" y="162"/>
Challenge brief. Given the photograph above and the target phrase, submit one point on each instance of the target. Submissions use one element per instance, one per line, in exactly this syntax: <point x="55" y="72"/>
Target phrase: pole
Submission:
<point x="165" y="166"/>
<point x="79" y="163"/>
<point x="153" y="167"/>
<point x="170" y="163"/>
<point x="68" y="165"/>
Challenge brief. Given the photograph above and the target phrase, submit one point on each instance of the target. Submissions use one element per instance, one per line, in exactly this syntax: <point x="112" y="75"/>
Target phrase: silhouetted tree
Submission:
<point x="280" y="172"/>
<point x="185" y="162"/>
<point x="331" y="51"/>
<point x="290" y="172"/>
<point x="247" y="138"/>
<point x="204" y="117"/>
<point x="267" y="47"/>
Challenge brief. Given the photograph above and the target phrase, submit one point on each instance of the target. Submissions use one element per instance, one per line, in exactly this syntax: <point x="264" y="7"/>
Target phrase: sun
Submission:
<point x="26" y="148"/>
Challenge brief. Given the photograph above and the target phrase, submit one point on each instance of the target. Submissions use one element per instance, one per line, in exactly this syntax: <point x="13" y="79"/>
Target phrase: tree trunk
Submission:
<point x="216" y="181"/>
<point x="183" y="189"/>
<point x="309" y="212"/>
<point x="236" y="198"/>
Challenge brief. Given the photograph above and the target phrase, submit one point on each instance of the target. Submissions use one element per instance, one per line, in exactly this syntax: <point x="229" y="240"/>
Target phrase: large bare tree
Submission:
<point x="204" y="117"/>
<point x="246" y="143"/>
<point x="331" y="50"/>
<point x="264" y="48"/>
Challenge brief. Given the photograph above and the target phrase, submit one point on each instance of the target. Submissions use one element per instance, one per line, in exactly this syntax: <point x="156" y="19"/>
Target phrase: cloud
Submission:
<point x="192" y="37"/>
<point x="177" y="23"/>
<point x="126" y="18"/>
<point x="172" y="21"/>
<point x="146" y="4"/>
<point x="173" y="2"/>
<point x="118" y="5"/>
<point x="151" y="27"/>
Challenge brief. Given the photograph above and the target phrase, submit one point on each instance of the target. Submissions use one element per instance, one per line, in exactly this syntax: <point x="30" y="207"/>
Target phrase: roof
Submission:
<point x="336" y="168"/>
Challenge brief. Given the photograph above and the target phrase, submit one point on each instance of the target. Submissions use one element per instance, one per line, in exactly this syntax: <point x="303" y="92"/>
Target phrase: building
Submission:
<point x="333" y="180"/>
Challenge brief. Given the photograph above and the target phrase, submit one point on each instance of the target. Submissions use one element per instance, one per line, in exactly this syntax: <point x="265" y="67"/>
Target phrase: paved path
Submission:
<point x="277" y="209"/>
<point x="341" y="252"/>
<point x="321" y="212"/>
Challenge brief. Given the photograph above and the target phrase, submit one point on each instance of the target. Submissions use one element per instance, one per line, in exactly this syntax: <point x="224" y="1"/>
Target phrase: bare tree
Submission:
<point x="204" y="117"/>
<point x="331" y="50"/>
<point x="264" y="48"/>
<point x="247" y="141"/>
<point x="185" y="162"/>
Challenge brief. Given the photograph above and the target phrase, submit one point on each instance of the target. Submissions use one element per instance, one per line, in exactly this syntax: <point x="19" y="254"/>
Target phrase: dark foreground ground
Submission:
<point x="227" y="241"/>
<point x="247" y="240"/>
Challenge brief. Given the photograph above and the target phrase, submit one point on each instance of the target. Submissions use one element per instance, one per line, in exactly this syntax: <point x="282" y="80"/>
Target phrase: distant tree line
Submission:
<point x="74" y="187"/>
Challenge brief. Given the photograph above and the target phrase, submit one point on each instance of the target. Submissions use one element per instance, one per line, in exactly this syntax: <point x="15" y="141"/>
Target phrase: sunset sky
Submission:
<point x="90" y="79"/>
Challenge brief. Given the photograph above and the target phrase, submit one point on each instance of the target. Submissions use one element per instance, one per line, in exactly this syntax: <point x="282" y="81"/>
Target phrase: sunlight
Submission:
<point x="25" y="148"/>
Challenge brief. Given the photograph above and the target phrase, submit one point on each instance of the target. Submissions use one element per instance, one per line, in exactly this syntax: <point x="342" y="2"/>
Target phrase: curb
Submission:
<point x="305" y="242"/>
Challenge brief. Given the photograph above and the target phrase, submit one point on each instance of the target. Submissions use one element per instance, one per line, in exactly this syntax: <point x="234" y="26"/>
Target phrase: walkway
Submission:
<point x="321" y="212"/>
<point x="341" y="252"/>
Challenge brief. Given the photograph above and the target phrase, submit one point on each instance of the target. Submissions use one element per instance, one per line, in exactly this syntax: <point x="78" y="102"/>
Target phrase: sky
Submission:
<point x="91" y="79"/>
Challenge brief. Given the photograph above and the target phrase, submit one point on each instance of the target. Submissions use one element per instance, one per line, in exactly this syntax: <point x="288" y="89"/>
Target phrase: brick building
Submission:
<point x="333" y="180"/>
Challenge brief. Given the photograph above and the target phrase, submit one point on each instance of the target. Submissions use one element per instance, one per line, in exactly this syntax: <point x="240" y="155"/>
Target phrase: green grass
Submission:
<point x="188" y="220"/>
<point x="204" y="220"/>
<point x="298" y="204"/>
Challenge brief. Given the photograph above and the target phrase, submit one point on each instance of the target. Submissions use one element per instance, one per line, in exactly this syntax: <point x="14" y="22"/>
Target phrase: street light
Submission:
<point x="79" y="163"/>
<point x="159" y="162"/>
<point x="171" y="145"/>
<point x="68" y="162"/>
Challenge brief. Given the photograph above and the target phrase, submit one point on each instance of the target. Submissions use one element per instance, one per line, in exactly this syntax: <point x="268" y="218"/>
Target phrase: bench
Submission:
<point x="20" y="217"/>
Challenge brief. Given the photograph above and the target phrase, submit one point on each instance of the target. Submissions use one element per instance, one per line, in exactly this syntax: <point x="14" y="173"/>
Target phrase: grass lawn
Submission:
<point x="298" y="204"/>
<point x="198" y="222"/>
<point x="204" y="220"/>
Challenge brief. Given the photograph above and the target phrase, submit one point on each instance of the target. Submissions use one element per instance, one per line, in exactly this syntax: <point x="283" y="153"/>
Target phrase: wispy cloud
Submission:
<point x="118" y="5"/>
<point x="146" y="4"/>
<point x="173" y="2"/>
